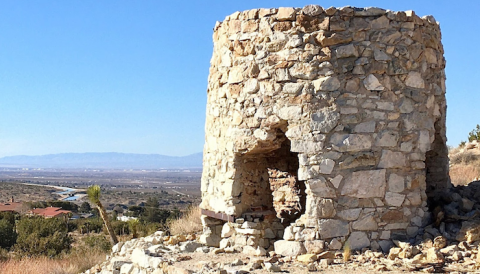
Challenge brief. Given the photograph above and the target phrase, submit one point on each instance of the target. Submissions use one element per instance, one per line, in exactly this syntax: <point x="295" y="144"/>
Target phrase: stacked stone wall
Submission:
<point x="351" y="101"/>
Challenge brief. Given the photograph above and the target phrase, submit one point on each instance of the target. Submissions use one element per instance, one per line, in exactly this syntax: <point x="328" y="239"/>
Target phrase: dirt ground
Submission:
<point x="199" y="259"/>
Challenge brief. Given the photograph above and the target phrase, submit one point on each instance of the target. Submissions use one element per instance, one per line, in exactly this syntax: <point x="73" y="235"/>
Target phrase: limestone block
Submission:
<point x="365" y="184"/>
<point x="286" y="14"/>
<point x="303" y="71"/>
<point x="320" y="188"/>
<point x="380" y="23"/>
<point x="349" y="214"/>
<point x="394" y="199"/>
<point x="366" y="223"/>
<point x="315" y="246"/>
<point x="346" y="51"/>
<point x="312" y="10"/>
<point x="308" y="147"/>
<point x="365" y="127"/>
<point x="292" y="88"/>
<point x="330" y="228"/>
<point x="351" y="142"/>
<point x="235" y="75"/>
<point x="251" y="86"/>
<point x="288" y="234"/>
<point x="325" y="120"/>
<point x="140" y="258"/>
<point x="328" y="83"/>
<point x="415" y="80"/>
<point x="290" y="113"/>
<point x="289" y="248"/>
<point x="372" y="83"/>
<point x="387" y="138"/>
<point x="336" y="181"/>
<point x="392" y="159"/>
<point x="358" y="240"/>
<point x="396" y="183"/>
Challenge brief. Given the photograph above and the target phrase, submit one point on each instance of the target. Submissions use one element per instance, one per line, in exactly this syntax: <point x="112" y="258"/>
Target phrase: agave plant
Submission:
<point x="93" y="193"/>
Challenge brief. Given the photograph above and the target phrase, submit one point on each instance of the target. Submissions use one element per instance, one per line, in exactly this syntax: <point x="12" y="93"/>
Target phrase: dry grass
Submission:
<point x="188" y="223"/>
<point x="465" y="158"/>
<point x="73" y="263"/>
<point x="464" y="166"/>
<point x="463" y="174"/>
<point x="347" y="252"/>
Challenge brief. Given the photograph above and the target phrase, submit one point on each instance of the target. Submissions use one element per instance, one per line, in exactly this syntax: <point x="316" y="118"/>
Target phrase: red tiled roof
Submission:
<point x="11" y="207"/>
<point x="50" y="211"/>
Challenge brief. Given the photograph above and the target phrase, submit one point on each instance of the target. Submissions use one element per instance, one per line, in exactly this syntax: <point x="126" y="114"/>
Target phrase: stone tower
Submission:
<point x="324" y="127"/>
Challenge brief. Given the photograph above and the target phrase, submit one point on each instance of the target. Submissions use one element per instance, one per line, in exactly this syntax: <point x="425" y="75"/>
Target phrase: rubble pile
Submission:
<point x="160" y="254"/>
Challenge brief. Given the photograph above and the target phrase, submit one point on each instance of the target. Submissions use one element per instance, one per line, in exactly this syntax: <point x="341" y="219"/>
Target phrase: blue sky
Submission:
<point x="131" y="76"/>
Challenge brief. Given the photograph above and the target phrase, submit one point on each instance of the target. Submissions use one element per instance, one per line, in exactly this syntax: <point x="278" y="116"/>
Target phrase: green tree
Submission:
<point x="38" y="236"/>
<point x="474" y="134"/>
<point x="134" y="211"/>
<point x="133" y="225"/>
<point x="93" y="193"/>
<point x="8" y="236"/>
<point x="85" y="207"/>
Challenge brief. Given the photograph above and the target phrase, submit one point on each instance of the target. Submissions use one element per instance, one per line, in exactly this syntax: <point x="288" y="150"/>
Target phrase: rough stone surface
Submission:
<point x="348" y="102"/>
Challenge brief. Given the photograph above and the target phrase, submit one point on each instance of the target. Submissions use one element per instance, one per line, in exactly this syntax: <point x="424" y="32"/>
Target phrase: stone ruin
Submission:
<point x="325" y="128"/>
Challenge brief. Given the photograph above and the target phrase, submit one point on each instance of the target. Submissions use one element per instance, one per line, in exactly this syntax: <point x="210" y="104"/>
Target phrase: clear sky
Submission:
<point x="131" y="76"/>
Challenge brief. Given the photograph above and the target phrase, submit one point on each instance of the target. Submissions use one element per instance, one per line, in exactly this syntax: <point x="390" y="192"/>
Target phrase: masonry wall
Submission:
<point x="350" y="102"/>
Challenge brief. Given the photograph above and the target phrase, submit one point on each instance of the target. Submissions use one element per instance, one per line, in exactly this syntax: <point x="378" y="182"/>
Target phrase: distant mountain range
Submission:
<point x="110" y="160"/>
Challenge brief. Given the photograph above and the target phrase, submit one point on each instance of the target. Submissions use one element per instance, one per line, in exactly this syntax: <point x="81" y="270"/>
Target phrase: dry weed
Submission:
<point x="71" y="264"/>
<point x="347" y="252"/>
<point x="462" y="174"/>
<point x="465" y="158"/>
<point x="189" y="223"/>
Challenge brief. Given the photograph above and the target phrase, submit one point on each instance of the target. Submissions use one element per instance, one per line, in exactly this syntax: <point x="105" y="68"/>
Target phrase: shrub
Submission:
<point x="97" y="243"/>
<point x="120" y="228"/>
<point x="92" y="225"/>
<point x="8" y="236"/>
<point x="474" y="134"/>
<point x="38" y="236"/>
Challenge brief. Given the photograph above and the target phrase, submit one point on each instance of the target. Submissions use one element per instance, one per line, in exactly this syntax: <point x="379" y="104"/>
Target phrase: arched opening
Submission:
<point x="271" y="189"/>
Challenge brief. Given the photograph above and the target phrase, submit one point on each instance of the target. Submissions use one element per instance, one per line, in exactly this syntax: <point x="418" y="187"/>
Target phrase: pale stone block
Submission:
<point x="415" y="80"/>
<point x="328" y="83"/>
<point x="366" y="223"/>
<point x="312" y="10"/>
<point x="372" y="83"/>
<point x="346" y="51"/>
<point x="351" y="142"/>
<point x="387" y="138"/>
<point x="365" y="184"/>
<point x="325" y="120"/>
<point x="396" y="183"/>
<point x="320" y="188"/>
<point x="358" y="240"/>
<point x="392" y="159"/>
<point x="349" y="214"/>
<point x="285" y="14"/>
<point x="336" y="181"/>
<point x="330" y="228"/>
<point x="289" y="248"/>
<point x="394" y="199"/>
<point x="365" y="127"/>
